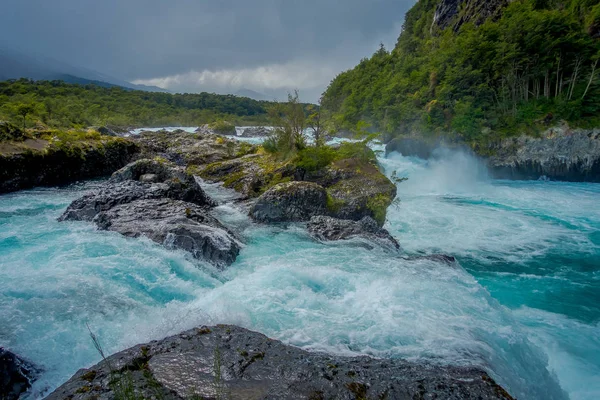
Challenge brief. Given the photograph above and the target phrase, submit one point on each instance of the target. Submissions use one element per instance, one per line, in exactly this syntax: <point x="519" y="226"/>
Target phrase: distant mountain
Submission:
<point x="252" y="95"/>
<point x="15" y="65"/>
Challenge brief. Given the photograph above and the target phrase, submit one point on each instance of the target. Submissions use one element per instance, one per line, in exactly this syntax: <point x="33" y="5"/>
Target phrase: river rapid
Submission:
<point x="523" y="303"/>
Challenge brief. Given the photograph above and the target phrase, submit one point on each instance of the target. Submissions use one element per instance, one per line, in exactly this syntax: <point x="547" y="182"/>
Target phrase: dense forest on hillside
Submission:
<point x="62" y="105"/>
<point x="481" y="71"/>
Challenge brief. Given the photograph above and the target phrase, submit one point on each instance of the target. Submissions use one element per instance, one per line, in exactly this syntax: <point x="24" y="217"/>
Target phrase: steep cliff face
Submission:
<point x="458" y="12"/>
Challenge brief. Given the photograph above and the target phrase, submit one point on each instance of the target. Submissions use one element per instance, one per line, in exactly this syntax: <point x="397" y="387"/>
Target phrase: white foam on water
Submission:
<point x="335" y="297"/>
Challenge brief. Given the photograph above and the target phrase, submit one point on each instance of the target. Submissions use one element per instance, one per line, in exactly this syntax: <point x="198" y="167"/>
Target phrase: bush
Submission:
<point x="357" y="150"/>
<point x="9" y="131"/>
<point x="315" y="158"/>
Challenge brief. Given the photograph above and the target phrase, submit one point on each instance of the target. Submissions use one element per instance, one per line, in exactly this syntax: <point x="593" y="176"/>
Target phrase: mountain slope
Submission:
<point x="15" y="65"/>
<point x="476" y="69"/>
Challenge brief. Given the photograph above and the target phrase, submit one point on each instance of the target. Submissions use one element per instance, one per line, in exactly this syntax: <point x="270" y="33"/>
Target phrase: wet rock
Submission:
<point x="560" y="154"/>
<point x="49" y="163"/>
<point x="156" y="180"/>
<point x="16" y="375"/>
<point x="174" y="224"/>
<point x="234" y="363"/>
<point x="329" y="229"/>
<point x="255" y="131"/>
<point x="290" y="202"/>
<point x="191" y="149"/>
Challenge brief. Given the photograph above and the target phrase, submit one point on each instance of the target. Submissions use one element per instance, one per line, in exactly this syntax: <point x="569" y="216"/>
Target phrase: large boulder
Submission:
<point x="176" y="225"/>
<point x="16" y="375"/>
<point x="331" y="229"/>
<point x="290" y="202"/>
<point x="228" y="362"/>
<point x="143" y="179"/>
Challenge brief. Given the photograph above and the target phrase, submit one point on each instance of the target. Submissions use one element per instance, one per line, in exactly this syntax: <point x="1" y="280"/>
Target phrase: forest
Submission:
<point x="57" y="104"/>
<point x="477" y="78"/>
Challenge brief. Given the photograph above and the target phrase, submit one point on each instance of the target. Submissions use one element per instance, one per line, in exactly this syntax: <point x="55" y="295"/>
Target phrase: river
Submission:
<point x="523" y="301"/>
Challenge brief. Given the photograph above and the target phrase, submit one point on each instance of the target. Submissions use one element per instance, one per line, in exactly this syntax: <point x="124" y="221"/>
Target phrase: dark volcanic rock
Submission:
<point x="234" y="363"/>
<point x="458" y="12"/>
<point x="47" y="164"/>
<point x="176" y="225"/>
<point x="16" y="375"/>
<point x="290" y="202"/>
<point x="160" y="181"/>
<point x="255" y="131"/>
<point x="329" y="229"/>
<point x="560" y="154"/>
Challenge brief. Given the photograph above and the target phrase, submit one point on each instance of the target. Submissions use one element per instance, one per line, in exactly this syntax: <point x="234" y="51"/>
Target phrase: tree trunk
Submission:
<point x="591" y="79"/>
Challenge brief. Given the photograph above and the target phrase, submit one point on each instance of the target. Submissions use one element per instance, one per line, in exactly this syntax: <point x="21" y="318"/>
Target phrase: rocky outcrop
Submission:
<point x="160" y="201"/>
<point x="176" y="225"/>
<point x="456" y="13"/>
<point x="290" y="202"/>
<point x="234" y="363"/>
<point x="329" y="229"/>
<point x="49" y="162"/>
<point x="191" y="149"/>
<point x="141" y="180"/>
<point x="16" y="375"/>
<point x="355" y="187"/>
<point x="559" y="154"/>
<point x="255" y="131"/>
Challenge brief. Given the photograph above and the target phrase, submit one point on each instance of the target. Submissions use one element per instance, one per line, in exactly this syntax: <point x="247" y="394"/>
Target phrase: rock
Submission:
<point x="174" y="224"/>
<point x="166" y="182"/>
<point x="329" y="229"/>
<point x="355" y="189"/>
<point x="106" y="131"/>
<point x="559" y="154"/>
<point x="16" y="375"/>
<point x="44" y="163"/>
<point x="255" y="131"/>
<point x="191" y="149"/>
<point x="234" y="363"/>
<point x="290" y="202"/>
<point x="456" y="13"/>
<point x="438" y="258"/>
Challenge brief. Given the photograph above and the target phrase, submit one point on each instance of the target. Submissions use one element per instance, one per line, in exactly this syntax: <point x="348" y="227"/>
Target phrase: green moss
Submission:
<point x="89" y="376"/>
<point x="378" y="206"/>
<point x="233" y="180"/>
<point x="334" y="205"/>
<point x="222" y="127"/>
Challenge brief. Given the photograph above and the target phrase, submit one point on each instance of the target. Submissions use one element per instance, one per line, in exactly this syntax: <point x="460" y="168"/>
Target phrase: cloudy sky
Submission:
<point x="270" y="46"/>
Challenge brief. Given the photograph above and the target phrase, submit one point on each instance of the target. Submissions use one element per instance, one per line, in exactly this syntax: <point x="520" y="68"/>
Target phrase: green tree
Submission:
<point x="23" y="110"/>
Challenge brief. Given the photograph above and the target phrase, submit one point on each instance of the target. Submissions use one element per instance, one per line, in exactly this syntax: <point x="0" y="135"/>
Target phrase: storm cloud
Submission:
<point x="194" y="45"/>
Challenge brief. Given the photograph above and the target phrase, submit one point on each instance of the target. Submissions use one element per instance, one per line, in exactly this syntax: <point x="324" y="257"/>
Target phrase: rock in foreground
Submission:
<point x="228" y="362"/>
<point x="16" y="375"/>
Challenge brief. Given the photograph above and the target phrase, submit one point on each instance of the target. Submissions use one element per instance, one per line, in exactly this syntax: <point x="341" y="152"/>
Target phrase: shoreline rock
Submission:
<point x="227" y="361"/>
<point x="559" y="154"/>
<point x="16" y="375"/>
<point x="40" y="162"/>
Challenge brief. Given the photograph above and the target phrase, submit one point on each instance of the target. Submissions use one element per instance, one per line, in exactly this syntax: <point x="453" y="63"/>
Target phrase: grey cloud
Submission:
<point x="150" y="39"/>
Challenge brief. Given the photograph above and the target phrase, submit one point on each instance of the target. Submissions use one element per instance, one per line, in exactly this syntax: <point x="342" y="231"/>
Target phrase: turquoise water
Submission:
<point x="524" y="303"/>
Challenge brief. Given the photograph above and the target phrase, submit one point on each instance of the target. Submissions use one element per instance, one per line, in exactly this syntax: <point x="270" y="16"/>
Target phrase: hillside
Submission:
<point x="58" y="104"/>
<point x="477" y="70"/>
